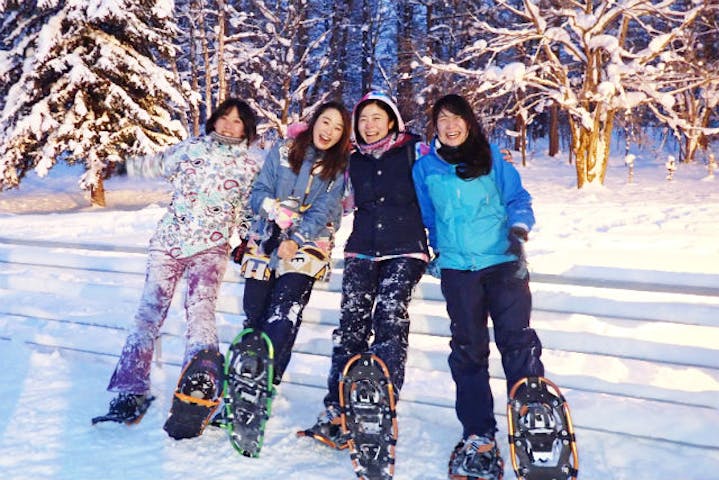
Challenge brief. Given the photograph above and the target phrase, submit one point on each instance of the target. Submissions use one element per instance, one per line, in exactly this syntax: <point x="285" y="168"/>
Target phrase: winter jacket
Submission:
<point x="322" y="209"/>
<point x="469" y="220"/>
<point x="387" y="219"/>
<point x="211" y="178"/>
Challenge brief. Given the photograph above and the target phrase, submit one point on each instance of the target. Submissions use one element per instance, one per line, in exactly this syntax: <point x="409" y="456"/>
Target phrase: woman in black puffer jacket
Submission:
<point x="385" y="255"/>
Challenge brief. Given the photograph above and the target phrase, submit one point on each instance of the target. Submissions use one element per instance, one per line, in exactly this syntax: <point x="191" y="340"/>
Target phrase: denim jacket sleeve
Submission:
<point x="425" y="203"/>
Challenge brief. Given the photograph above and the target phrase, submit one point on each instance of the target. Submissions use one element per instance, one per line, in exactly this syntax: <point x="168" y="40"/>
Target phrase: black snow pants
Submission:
<point x="375" y="297"/>
<point x="471" y="296"/>
<point x="275" y="306"/>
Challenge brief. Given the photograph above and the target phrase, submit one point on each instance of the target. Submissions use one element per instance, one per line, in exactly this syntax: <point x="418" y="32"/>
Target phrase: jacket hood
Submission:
<point x="380" y="97"/>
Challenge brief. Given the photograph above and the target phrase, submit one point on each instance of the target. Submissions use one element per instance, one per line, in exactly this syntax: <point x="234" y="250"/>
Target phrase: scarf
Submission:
<point x="378" y="148"/>
<point x="227" y="140"/>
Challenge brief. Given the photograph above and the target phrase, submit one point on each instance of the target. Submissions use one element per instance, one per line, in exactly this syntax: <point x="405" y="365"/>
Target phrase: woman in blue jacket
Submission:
<point x="297" y="202"/>
<point x="478" y="215"/>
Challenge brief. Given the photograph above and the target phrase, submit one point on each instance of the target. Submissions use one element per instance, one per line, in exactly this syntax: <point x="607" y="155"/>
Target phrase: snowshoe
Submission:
<point x="196" y="396"/>
<point x="476" y="458"/>
<point x="328" y="429"/>
<point x="542" y="443"/>
<point x="369" y="417"/>
<point x="248" y="390"/>
<point x="126" y="408"/>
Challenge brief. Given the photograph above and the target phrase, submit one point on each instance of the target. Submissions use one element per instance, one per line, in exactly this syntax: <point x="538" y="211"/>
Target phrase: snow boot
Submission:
<point x="328" y="429"/>
<point x="476" y="458"/>
<point x="126" y="408"/>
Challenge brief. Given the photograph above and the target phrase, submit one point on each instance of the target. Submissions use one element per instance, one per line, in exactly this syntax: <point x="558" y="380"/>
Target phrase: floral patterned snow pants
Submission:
<point x="203" y="273"/>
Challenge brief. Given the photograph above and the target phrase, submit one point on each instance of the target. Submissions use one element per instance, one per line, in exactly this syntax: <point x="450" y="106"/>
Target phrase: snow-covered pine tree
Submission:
<point x="93" y="90"/>
<point x="20" y="22"/>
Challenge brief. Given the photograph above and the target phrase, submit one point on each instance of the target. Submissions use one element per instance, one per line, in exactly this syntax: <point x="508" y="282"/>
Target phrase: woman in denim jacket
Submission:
<point x="296" y="199"/>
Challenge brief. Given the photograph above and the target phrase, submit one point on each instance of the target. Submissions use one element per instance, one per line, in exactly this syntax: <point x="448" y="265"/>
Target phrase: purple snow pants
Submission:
<point x="203" y="273"/>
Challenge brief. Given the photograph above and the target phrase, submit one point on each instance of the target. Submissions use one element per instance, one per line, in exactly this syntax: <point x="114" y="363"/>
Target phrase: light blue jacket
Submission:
<point x="469" y="220"/>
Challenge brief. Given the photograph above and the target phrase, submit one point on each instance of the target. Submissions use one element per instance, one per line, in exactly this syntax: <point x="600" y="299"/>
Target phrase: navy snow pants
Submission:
<point x="375" y="297"/>
<point x="471" y="296"/>
<point x="275" y="306"/>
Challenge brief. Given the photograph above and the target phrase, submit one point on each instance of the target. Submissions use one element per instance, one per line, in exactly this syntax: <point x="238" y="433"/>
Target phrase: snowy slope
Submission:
<point x="626" y="295"/>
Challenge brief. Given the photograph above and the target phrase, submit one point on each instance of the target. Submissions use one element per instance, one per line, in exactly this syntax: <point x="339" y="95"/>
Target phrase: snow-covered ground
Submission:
<point x="652" y="231"/>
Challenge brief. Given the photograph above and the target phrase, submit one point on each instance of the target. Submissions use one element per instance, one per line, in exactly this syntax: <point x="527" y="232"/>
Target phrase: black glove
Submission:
<point x="517" y="237"/>
<point x="271" y="243"/>
<point x="239" y="251"/>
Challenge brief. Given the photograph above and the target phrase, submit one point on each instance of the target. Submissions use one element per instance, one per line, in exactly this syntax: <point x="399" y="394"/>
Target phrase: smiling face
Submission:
<point x="452" y="130"/>
<point x="328" y="129"/>
<point x="230" y="124"/>
<point x="373" y="123"/>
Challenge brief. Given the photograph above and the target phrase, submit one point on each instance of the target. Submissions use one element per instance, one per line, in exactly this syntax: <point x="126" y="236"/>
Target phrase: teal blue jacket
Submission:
<point x="468" y="221"/>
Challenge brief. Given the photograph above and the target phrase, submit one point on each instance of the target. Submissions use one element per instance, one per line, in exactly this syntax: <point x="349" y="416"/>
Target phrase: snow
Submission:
<point x="650" y="230"/>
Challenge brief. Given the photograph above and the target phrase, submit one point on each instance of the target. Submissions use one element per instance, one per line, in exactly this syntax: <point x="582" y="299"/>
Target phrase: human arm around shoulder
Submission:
<point x="516" y="199"/>
<point x="419" y="176"/>
<point x="265" y="185"/>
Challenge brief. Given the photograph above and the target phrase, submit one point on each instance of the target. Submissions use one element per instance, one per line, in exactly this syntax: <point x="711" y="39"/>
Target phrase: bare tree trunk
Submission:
<point x="370" y="36"/>
<point x="208" y="64"/>
<point x="553" y="130"/>
<point x="591" y="150"/>
<point x="97" y="193"/>
<point x="338" y="49"/>
<point x="221" y="73"/>
<point x="405" y="54"/>
<point x="194" y="80"/>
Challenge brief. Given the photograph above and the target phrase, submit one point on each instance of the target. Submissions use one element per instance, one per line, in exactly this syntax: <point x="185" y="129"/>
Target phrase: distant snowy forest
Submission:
<point x="96" y="81"/>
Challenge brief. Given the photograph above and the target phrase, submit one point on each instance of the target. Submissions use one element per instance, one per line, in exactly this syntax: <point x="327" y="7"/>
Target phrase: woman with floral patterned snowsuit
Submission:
<point x="211" y="177"/>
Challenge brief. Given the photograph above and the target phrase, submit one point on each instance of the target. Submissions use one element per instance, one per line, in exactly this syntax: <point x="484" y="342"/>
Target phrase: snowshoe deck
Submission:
<point x="369" y="417"/>
<point x="248" y="390"/>
<point x="196" y="397"/>
<point x="542" y="443"/>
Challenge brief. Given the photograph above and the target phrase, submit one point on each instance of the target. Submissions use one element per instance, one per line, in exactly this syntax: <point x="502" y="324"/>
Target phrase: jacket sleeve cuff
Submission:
<point x="297" y="237"/>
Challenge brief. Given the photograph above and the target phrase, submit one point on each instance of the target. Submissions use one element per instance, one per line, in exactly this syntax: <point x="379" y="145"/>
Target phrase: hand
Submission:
<point x="285" y="217"/>
<point x="283" y="213"/>
<point x="239" y="251"/>
<point x="507" y="155"/>
<point x="287" y="249"/>
<point x="517" y="237"/>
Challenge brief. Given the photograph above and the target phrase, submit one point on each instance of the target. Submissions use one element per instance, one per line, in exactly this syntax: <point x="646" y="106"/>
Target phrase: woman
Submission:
<point x="296" y="199"/>
<point x="191" y="240"/>
<point x="385" y="255"/>
<point x="478" y="214"/>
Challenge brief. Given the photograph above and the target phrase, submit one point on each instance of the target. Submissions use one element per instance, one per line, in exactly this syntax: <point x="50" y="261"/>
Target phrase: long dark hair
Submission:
<point x="334" y="160"/>
<point x="474" y="156"/>
<point x="249" y="119"/>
